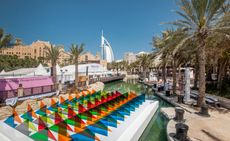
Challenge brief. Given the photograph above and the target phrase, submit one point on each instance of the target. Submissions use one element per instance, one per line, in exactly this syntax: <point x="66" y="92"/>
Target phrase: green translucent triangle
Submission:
<point x="54" y="128"/>
<point x="70" y="121"/>
<point x="41" y="136"/>
<point x="93" y="112"/>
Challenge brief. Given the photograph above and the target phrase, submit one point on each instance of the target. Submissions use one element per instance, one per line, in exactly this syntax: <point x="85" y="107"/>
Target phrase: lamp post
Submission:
<point x="62" y="76"/>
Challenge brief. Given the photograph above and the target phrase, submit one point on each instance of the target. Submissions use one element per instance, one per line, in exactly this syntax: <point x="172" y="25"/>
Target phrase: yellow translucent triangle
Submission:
<point x="31" y="126"/>
<point x="63" y="116"/>
<point x="49" y="121"/>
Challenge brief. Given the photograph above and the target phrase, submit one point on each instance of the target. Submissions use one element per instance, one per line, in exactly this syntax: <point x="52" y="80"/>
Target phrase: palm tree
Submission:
<point x="111" y="66"/>
<point x="123" y="65"/>
<point x="52" y="55"/>
<point x="159" y="44"/>
<point x="144" y="61"/>
<point x="76" y="50"/>
<point x="167" y="44"/>
<point x="5" y="40"/>
<point x="202" y="18"/>
<point x="18" y="41"/>
<point x="41" y="60"/>
<point x="218" y="56"/>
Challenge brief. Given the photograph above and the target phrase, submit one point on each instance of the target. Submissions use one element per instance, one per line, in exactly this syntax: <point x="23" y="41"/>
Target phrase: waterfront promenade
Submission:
<point x="213" y="128"/>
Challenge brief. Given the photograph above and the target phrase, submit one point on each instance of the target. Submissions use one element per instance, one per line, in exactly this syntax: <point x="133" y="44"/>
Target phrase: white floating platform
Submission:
<point x="134" y="125"/>
<point x="8" y="133"/>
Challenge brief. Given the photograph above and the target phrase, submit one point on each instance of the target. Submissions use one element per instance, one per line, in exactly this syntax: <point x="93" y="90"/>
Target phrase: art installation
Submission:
<point x="76" y="118"/>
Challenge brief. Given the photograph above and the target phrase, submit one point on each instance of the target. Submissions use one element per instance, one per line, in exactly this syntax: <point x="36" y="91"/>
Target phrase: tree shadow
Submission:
<point x="211" y="135"/>
<point x="220" y="110"/>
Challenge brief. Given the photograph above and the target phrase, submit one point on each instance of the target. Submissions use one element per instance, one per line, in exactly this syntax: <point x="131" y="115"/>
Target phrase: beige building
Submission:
<point x="37" y="49"/>
<point x="64" y="58"/>
<point x="88" y="57"/>
<point x="130" y="57"/>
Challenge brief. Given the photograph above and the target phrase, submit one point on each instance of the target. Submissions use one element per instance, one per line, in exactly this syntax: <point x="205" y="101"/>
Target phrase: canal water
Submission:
<point x="156" y="129"/>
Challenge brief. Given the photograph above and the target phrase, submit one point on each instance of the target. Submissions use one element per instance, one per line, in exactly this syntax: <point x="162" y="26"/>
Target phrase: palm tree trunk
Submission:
<point x="221" y="72"/>
<point x="76" y="73"/>
<point x="196" y="72"/>
<point x="164" y="74"/>
<point x="145" y="72"/>
<point x="179" y="72"/>
<point x="202" y="61"/>
<point x="54" y="75"/>
<point x="174" y="76"/>
<point x="196" y="76"/>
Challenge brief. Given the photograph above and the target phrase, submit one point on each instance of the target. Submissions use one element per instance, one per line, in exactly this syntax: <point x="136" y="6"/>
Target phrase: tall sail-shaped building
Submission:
<point x="106" y="50"/>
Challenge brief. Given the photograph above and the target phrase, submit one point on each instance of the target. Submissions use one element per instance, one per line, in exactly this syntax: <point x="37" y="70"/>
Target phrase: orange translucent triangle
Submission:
<point x="97" y="139"/>
<point x="52" y="101"/>
<point x="93" y="91"/>
<point x="77" y="95"/>
<point x="48" y="111"/>
<point x="28" y="107"/>
<point x="109" y="129"/>
<point x="77" y="129"/>
<point x="88" y="91"/>
<point x="62" y="100"/>
<point x="63" y="138"/>
<point x="42" y="104"/>
<point x="89" y="122"/>
<point x="59" y="109"/>
<point x="33" y="114"/>
<point x="16" y="117"/>
<point x="83" y="93"/>
<point x="70" y="97"/>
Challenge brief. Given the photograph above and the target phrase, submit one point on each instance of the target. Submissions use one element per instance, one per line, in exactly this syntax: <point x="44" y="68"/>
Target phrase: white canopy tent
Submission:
<point x="68" y="72"/>
<point x="24" y="72"/>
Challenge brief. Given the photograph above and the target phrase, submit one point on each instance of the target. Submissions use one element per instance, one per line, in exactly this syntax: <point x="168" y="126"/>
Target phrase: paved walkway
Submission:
<point x="213" y="128"/>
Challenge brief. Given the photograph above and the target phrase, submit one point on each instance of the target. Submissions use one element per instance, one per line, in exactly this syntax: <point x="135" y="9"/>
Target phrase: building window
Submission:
<point x="86" y="58"/>
<point x="35" y="50"/>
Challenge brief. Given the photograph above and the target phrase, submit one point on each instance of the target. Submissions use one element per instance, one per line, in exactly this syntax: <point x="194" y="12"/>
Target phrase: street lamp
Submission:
<point x="62" y="75"/>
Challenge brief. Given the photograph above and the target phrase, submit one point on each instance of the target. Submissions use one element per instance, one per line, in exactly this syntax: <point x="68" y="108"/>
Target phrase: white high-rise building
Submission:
<point x="106" y="50"/>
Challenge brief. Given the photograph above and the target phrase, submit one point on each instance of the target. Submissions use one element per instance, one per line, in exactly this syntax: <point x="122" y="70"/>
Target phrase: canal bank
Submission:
<point x="213" y="128"/>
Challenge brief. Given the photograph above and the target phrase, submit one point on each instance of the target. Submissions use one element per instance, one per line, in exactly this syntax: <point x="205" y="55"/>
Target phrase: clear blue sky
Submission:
<point x="128" y="25"/>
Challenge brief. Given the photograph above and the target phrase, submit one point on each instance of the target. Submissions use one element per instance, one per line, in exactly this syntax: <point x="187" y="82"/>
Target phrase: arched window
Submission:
<point x="86" y="58"/>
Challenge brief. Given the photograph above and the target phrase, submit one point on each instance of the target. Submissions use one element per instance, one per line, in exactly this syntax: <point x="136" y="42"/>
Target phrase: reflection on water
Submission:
<point x="123" y="87"/>
<point x="129" y="85"/>
<point x="156" y="129"/>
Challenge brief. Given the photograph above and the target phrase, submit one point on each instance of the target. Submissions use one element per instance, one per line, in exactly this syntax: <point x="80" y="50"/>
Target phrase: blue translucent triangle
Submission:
<point x="10" y="121"/>
<point x="98" y="130"/>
